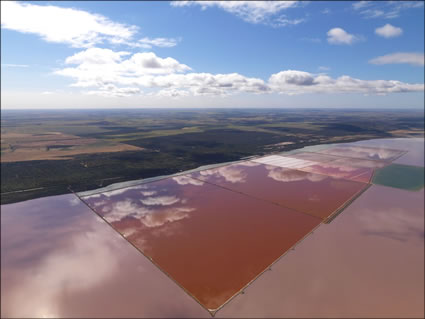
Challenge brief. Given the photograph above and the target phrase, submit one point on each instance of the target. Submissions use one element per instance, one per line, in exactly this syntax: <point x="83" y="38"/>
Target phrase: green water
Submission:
<point x="400" y="176"/>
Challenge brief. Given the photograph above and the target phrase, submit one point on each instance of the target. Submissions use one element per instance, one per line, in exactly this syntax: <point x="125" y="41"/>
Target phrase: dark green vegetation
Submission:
<point x="176" y="140"/>
<point x="400" y="176"/>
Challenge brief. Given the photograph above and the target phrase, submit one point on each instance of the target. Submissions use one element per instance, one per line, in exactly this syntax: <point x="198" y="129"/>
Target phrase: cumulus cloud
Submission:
<point x="114" y="91"/>
<point x="251" y="11"/>
<point x="280" y="174"/>
<point x="121" y="209"/>
<point x="412" y="58"/>
<point x="287" y="82"/>
<point x="185" y="180"/>
<point x="235" y="173"/>
<point x="340" y="36"/>
<point x="167" y="216"/>
<point x="74" y="27"/>
<point x="230" y="173"/>
<point x="118" y="74"/>
<point x="160" y="200"/>
<point x="173" y="93"/>
<point x="96" y="56"/>
<point x="112" y="74"/>
<point x="149" y="217"/>
<point x="388" y="31"/>
<point x="292" y="77"/>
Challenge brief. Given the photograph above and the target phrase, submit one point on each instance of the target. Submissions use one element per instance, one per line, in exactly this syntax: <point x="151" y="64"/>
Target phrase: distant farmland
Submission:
<point x="46" y="152"/>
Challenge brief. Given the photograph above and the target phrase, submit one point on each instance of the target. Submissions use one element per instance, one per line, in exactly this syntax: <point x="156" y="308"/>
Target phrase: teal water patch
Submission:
<point x="400" y="176"/>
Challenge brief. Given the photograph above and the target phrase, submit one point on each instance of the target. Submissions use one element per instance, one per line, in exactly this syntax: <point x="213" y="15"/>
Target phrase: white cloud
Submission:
<point x="96" y="56"/>
<point x="9" y="65"/>
<point x="234" y="173"/>
<point x="173" y="93"/>
<point x="107" y="63"/>
<point x="74" y="27"/>
<point x="113" y="75"/>
<point x="210" y="84"/>
<point x="400" y="57"/>
<point x="283" y="21"/>
<point x="161" y="218"/>
<point x="388" y="31"/>
<point x="250" y="11"/>
<point x="157" y="42"/>
<point x="361" y="4"/>
<point x="292" y="77"/>
<point x="186" y="180"/>
<point x="297" y="82"/>
<point x="125" y="208"/>
<point x="160" y="200"/>
<point x="384" y="9"/>
<point x="230" y="173"/>
<point x="119" y="74"/>
<point x="110" y="90"/>
<point x="281" y="174"/>
<point x="340" y="36"/>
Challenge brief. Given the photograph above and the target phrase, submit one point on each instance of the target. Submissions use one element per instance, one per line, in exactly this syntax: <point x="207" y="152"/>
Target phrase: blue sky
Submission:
<point x="212" y="54"/>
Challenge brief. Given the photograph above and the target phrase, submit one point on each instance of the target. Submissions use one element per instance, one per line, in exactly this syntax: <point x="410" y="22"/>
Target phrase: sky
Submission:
<point x="200" y="54"/>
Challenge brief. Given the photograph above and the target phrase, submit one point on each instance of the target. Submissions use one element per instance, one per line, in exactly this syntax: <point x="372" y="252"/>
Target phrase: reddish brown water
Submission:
<point x="210" y="240"/>
<point x="367" y="263"/>
<point x="314" y="194"/>
<point x="58" y="259"/>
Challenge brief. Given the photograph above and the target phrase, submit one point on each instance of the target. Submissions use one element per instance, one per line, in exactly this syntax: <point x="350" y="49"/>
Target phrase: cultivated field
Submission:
<point x="17" y="147"/>
<point x="50" y="152"/>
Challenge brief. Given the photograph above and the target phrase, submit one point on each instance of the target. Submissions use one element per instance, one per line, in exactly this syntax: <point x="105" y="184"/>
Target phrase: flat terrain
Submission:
<point x="18" y="147"/>
<point x="188" y="244"/>
<point x="49" y="152"/>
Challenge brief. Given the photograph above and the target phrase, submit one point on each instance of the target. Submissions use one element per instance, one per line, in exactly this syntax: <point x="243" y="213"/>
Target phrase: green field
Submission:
<point x="120" y="145"/>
